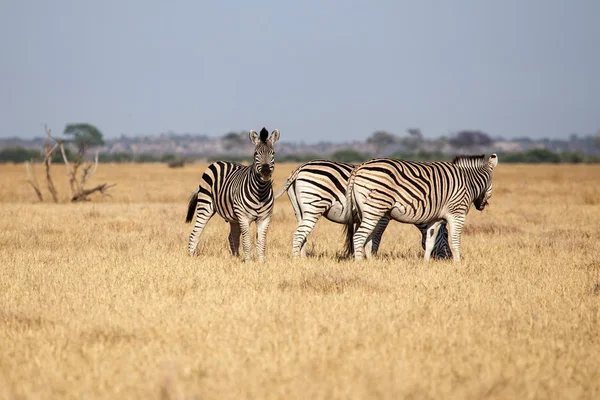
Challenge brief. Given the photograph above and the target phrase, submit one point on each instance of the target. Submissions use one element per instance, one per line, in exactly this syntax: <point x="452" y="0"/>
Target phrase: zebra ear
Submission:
<point x="493" y="161"/>
<point x="254" y="137"/>
<point x="274" y="136"/>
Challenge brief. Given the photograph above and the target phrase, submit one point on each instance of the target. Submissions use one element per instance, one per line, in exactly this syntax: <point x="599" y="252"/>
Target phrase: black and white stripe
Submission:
<point x="318" y="188"/>
<point x="240" y="194"/>
<point x="418" y="193"/>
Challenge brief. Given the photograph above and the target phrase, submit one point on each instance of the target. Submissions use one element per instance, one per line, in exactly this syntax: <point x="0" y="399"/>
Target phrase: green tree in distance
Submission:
<point x="413" y="141"/>
<point x="382" y="139"/>
<point x="233" y="140"/>
<point x="84" y="136"/>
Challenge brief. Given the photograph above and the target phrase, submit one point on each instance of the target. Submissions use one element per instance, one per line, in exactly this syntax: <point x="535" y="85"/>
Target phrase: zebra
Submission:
<point x="418" y="193"/>
<point x="318" y="188"/>
<point x="240" y="194"/>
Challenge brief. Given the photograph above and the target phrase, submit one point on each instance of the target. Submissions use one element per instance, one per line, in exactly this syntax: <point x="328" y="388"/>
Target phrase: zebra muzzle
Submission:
<point x="265" y="171"/>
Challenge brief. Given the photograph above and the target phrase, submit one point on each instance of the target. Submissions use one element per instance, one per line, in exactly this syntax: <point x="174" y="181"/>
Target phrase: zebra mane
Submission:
<point x="264" y="134"/>
<point x="469" y="160"/>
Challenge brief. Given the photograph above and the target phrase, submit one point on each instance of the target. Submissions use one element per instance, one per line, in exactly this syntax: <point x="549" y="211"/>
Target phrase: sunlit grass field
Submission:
<point x="100" y="300"/>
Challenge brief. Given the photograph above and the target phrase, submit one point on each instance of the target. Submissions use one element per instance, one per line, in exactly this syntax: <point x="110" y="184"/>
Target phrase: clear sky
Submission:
<point x="316" y="70"/>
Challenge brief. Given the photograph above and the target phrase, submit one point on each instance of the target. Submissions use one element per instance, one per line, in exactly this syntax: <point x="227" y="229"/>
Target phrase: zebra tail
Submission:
<point x="285" y="187"/>
<point x="290" y="180"/>
<point x="349" y="217"/>
<point x="349" y="241"/>
<point x="193" y="202"/>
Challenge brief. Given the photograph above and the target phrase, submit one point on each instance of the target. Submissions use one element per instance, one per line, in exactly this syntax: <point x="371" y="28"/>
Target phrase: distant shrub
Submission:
<point x="146" y="158"/>
<point x="176" y="164"/>
<point x="230" y="158"/>
<point x="19" y="155"/>
<point x="350" y="156"/>
<point x="169" y="157"/>
<point x="298" y="157"/>
<point x="543" y="156"/>
<point x="573" y="158"/>
<point x="116" y="157"/>
<point x="532" y="156"/>
<point x="421" y="156"/>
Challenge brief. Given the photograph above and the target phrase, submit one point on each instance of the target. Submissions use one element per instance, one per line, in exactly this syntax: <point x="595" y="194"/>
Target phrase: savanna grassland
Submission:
<point x="100" y="300"/>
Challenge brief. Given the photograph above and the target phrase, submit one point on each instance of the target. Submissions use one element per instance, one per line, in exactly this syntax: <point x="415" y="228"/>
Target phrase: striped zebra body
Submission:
<point x="419" y="193"/>
<point x="318" y="188"/>
<point x="239" y="194"/>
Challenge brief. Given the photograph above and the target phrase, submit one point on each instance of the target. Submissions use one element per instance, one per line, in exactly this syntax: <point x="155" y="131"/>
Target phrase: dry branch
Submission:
<point x="77" y="187"/>
<point x="86" y="174"/>
<point x="82" y="196"/>
<point x="32" y="180"/>
<point x="48" y="162"/>
<point x="71" y="172"/>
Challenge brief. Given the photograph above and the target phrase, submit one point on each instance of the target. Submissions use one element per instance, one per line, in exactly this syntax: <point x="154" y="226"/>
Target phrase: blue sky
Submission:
<point x="316" y="70"/>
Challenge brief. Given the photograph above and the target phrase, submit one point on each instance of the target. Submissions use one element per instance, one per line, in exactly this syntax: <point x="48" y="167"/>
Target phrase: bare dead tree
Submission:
<point x="31" y="176"/>
<point x="78" y="191"/>
<point x="48" y="154"/>
<point x="71" y="172"/>
<point x="32" y="180"/>
<point x="77" y="183"/>
<point x="48" y="163"/>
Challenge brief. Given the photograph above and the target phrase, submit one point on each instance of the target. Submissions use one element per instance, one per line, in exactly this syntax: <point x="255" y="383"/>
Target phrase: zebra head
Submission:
<point x="264" y="152"/>
<point x="482" y="200"/>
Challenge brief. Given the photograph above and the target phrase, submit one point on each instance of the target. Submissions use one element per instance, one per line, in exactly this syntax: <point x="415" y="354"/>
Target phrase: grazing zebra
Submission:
<point x="418" y="193"/>
<point x="240" y="194"/>
<point x="318" y="188"/>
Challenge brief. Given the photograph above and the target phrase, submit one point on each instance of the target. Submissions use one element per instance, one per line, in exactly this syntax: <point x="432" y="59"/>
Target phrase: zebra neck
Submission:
<point x="259" y="187"/>
<point x="474" y="181"/>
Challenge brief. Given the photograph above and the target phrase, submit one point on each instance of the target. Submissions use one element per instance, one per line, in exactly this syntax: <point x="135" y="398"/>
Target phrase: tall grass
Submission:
<point x="100" y="300"/>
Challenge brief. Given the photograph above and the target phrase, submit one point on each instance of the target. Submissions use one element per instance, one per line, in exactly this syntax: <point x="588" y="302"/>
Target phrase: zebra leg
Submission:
<point x="372" y="245"/>
<point x="363" y="232"/>
<point x="262" y="225"/>
<point x="204" y="212"/>
<point x="308" y="211"/>
<point x="234" y="238"/>
<point x="442" y="247"/>
<point x="431" y="233"/>
<point x="423" y="229"/>
<point x="456" y="223"/>
<point x="244" y="224"/>
<point x="303" y="249"/>
<point x="368" y="251"/>
<point x="305" y="226"/>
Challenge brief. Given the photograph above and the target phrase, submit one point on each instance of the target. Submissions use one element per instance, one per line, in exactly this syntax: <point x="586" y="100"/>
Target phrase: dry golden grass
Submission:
<point x="100" y="300"/>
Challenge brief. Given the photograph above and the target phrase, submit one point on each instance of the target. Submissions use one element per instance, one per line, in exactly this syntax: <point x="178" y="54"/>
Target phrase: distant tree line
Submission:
<point x="535" y="156"/>
<point x="412" y="146"/>
<point x="20" y="155"/>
